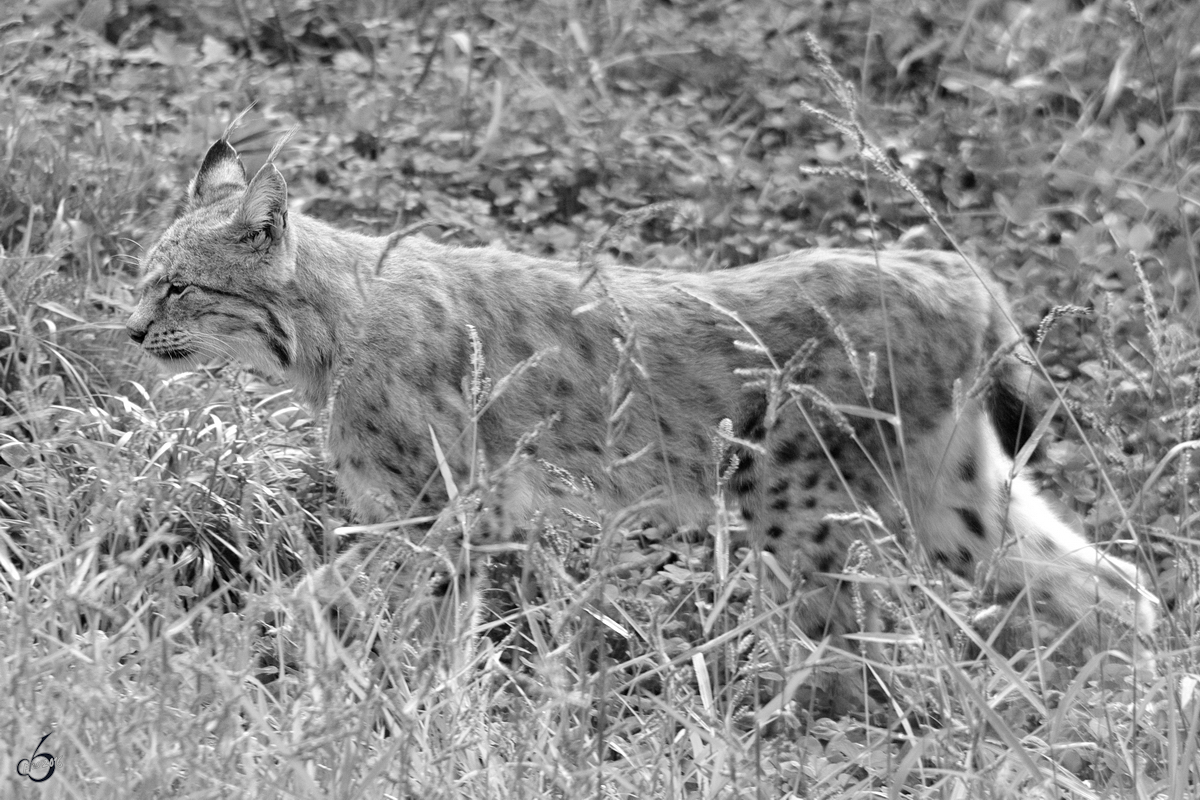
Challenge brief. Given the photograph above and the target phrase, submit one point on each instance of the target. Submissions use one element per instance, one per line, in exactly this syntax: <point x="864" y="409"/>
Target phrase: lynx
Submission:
<point x="865" y="392"/>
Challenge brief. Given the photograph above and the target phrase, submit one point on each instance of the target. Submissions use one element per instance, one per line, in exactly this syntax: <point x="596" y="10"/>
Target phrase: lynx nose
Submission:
<point x="137" y="334"/>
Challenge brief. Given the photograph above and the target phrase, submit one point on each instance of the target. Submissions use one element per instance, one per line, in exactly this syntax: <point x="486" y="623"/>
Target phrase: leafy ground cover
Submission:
<point x="149" y="528"/>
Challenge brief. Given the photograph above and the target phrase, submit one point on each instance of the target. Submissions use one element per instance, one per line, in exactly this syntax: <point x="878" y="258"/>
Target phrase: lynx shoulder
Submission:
<point x="866" y="391"/>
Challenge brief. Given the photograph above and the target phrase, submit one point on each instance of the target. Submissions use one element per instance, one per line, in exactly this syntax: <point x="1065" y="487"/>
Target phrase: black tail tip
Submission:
<point x="1017" y="402"/>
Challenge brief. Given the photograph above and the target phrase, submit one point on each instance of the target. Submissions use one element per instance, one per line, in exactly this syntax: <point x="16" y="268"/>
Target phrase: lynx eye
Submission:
<point x="177" y="289"/>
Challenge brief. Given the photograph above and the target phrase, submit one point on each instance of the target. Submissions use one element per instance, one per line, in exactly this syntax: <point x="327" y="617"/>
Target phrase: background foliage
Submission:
<point x="145" y="526"/>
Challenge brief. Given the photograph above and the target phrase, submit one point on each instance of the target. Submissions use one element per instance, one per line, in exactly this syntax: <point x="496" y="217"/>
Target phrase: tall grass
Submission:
<point x="152" y="531"/>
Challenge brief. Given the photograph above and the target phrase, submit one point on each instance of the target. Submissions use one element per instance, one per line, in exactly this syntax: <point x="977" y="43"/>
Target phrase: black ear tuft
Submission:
<point x="220" y="174"/>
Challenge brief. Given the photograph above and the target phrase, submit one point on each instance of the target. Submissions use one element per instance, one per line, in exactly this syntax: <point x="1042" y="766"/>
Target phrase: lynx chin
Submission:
<point x="875" y="396"/>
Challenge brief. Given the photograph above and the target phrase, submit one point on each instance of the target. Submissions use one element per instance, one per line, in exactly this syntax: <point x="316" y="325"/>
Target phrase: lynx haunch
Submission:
<point x="883" y="386"/>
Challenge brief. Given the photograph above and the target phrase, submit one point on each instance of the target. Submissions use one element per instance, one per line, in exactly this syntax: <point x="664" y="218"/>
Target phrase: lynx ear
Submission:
<point x="264" y="207"/>
<point x="221" y="174"/>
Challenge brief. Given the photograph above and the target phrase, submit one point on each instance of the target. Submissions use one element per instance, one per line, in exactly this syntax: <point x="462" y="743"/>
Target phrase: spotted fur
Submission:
<point x="860" y="385"/>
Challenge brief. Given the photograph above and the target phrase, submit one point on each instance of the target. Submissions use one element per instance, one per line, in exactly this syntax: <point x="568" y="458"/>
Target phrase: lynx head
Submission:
<point x="211" y="282"/>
